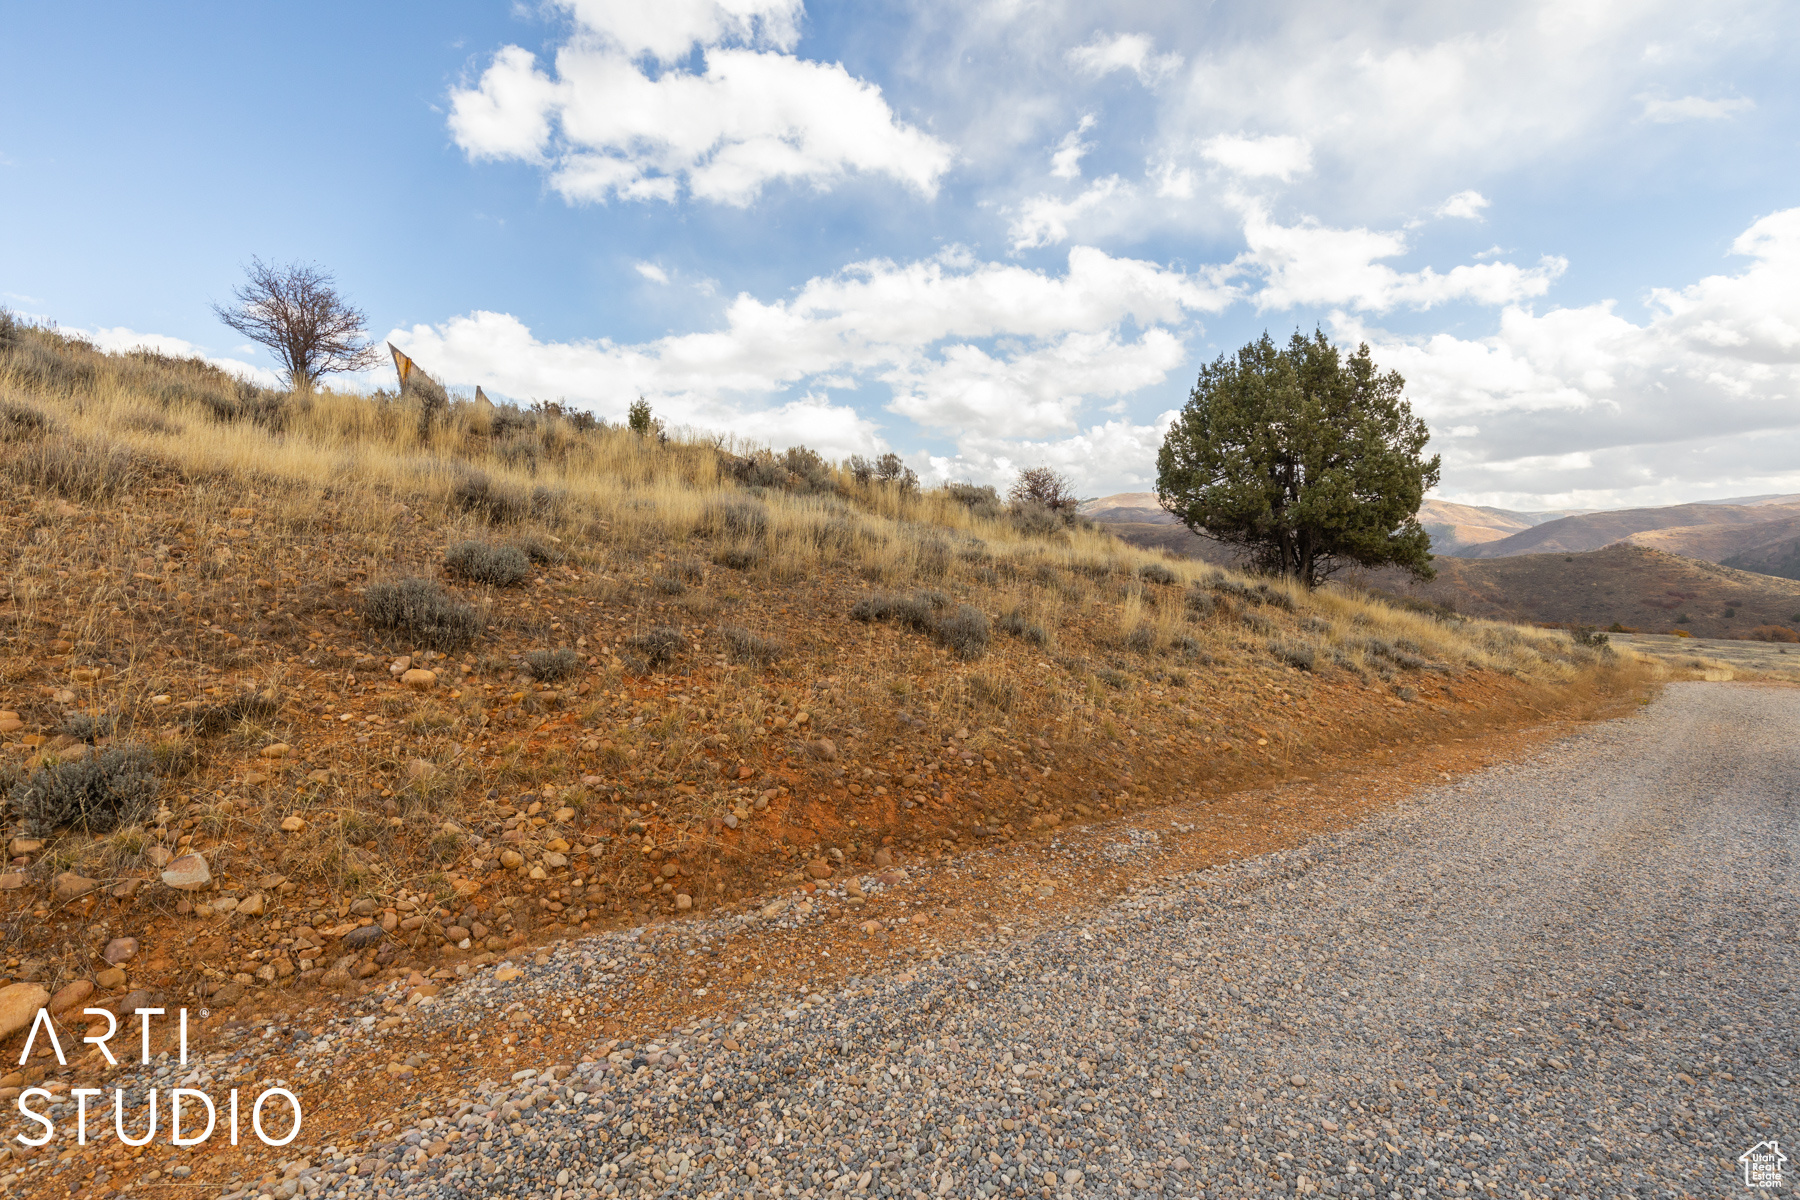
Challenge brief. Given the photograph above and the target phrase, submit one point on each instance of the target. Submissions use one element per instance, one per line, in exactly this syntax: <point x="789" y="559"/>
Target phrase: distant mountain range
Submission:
<point x="1760" y="534"/>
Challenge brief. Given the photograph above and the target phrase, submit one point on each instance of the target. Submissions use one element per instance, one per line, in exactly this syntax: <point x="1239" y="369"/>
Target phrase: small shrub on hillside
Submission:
<point x="1142" y="639"/>
<point x="522" y="451"/>
<point x="1586" y="635"/>
<point x="551" y="665"/>
<point x="916" y="610"/>
<point x="96" y="794"/>
<point x="1294" y="654"/>
<point x="668" y="586"/>
<point x="965" y="632"/>
<point x="1035" y="520"/>
<point x="1201" y="603"/>
<point x="1014" y="622"/>
<point x="739" y="558"/>
<point x="749" y="647"/>
<point x="657" y="646"/>
<point x="810" y="468"/>
<point x="1401" y="653"/>
<point x="760" y="469"/>
<point x="497" y="504"/>
<point x="229" y="714"/>
<point x="539" y="550"/>
<point x="738" y="518"/>
<point x="1157" y="573"/>
<point x="1275" y="597"/>
<point x="933" y="558"/>
<point x="497" y="566"/>
<point x="422" y="614"/>
<point x="982" y="501"/>
<point x="89" y="727"/>
<point x="1118" y="680"/>
<point x="890" y="468"/>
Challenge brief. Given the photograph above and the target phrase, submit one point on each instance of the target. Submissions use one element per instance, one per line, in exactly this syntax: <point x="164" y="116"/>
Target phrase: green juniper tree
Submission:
<point x="1306" y="458"/>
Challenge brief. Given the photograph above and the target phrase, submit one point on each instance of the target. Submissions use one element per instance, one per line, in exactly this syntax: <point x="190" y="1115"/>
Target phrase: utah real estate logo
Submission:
<point x="1762" y="1165"/>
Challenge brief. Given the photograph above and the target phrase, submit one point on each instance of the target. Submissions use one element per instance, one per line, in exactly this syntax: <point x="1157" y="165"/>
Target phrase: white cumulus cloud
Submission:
<point x="977" y="349"/>
<point x="1044" y="220"/>
<point x="1312" y="264"/>
<point x="1134" y="52"/>
<point x="1585" y="407"/>
<point x="1278" y="156"/>
<point x="618" y="117"/>
<point x="1466" y="205"/>
<point x="1065" y="163"/>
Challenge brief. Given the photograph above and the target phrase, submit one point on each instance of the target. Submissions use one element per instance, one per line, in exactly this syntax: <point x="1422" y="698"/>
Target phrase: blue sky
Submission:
<point x="983" y="234"/>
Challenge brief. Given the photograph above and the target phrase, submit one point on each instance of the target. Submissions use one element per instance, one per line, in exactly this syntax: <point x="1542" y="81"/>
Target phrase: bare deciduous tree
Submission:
<point x="295" y="310"/>
<point x="1045" y="486"/>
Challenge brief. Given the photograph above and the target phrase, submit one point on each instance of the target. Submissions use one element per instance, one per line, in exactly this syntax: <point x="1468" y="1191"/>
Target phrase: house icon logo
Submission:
<point x="1762" y="1165"/>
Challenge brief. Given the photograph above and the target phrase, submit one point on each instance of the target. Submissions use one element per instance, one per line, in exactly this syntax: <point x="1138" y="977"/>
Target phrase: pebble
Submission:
<point x="187" y="873"/>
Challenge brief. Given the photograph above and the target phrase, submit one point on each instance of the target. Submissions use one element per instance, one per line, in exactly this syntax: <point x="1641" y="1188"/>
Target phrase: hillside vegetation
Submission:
<point x="480" y="675"/>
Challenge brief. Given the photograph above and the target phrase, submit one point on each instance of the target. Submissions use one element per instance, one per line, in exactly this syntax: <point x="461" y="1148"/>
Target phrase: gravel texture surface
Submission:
<point x="1568" y="977"/>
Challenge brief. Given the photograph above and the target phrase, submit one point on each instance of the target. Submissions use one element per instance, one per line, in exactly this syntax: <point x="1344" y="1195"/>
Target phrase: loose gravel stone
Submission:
<point x="1570" y="977"/>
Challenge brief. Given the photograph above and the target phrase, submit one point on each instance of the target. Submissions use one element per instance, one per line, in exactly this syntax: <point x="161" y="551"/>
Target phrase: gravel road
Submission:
<point x="1572" y="976"/>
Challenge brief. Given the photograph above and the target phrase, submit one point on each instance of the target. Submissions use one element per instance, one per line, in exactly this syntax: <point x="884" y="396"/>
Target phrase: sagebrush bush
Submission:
<point x="738" y="518"/>
<point x="551" y="665"/>
<point x="89" y="727"/>
<point x="1201" y="603"/>
<point x="1035" y="520"/>
<point x="1294" y="654"/>
<point x="980" y="500"/>
<point x="1157" y="573"/>
<point x="495" y="503"/>
<point x="739" y="558"/>
<point x="658" y="645"/>
<point x="1142" y="639"/>
<point x="1400" y="652"/>
<point x="965" y="631"/>
<point x="497" y="566"/>
<point x="228" y="714"/>
<point x="422" y="613"/>
<point x="668" y="585"/>
<point x="749" y="647"/>
<point x="1014" y="622"/>
<point x="95" y="794"/>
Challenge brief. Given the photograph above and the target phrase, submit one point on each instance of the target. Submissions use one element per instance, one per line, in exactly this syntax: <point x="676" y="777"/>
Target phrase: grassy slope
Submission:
<point x="177" y="545"/>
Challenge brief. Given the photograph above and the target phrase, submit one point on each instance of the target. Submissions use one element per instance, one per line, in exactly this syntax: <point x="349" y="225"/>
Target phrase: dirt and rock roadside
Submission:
<point x="1565" y="976"/>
